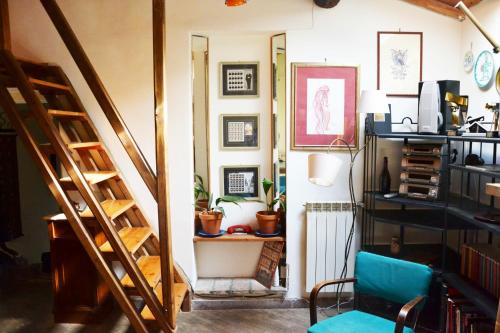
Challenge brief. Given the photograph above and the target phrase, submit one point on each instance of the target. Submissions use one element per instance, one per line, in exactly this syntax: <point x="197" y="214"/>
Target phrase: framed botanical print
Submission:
<point x="242" y="181"/>
<point x="324" y="106"/>
<point x="399" y="62"/>
<point x="238" y="79"/>
<point x="239" y="131"/>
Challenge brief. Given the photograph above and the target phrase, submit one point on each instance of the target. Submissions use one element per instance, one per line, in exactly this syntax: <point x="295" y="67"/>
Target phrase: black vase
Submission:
<point x="385" y="178"/>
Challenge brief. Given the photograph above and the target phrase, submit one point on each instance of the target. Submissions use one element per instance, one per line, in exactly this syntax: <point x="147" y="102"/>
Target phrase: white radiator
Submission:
<point x="328" y="226"/>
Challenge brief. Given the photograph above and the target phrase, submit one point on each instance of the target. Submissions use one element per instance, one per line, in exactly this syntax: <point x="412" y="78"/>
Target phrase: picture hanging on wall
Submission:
<point x="324" y="106"/>
<point x="239" y="79"/>
<point x="239" y="131"/>
<point x="242" y="181"/>
<point x="399" y="62"/>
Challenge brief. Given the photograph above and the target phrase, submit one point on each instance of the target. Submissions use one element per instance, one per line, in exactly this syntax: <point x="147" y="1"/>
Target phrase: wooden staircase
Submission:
<point x="55" y="124"/>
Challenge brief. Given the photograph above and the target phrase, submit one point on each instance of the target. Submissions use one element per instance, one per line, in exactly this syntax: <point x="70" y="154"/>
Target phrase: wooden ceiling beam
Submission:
<point x="439" y="7"/>
<point x="468" y="3"/>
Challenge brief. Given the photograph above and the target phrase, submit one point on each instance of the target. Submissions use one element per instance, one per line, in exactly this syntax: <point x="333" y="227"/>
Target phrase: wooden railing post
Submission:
<point x="167" y="261"/>
<point x="89" y="73"/>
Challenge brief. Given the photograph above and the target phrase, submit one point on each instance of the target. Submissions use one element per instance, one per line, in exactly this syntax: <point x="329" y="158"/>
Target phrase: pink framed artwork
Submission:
<point x="324" y="106"/>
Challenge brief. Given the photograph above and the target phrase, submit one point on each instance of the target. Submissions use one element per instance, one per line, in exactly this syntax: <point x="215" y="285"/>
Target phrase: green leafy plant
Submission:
<point x="214" y="206"/>
<point x="200" y="193"/>
<point x="270" y="201"/>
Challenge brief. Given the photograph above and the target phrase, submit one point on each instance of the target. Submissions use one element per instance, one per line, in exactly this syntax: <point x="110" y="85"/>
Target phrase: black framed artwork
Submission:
<point x="239" y="79"/>
<point x="239" y="131"/>
<point x="242" y="181"/>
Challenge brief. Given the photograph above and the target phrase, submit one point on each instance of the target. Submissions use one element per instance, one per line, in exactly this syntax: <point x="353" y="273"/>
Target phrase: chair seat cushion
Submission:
<point x="355" y="322"/>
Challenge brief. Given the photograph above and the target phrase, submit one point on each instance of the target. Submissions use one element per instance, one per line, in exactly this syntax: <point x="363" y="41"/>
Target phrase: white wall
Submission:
<point x="488" y="13"/>
<point x="36" y="202"/>
<point x="214" y="259"/>
<point x="117" y="38"/>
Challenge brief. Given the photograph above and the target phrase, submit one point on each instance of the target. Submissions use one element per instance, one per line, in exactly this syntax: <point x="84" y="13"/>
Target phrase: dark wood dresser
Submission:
<point x="80" y="295"/>
<point x="10" y="212"/>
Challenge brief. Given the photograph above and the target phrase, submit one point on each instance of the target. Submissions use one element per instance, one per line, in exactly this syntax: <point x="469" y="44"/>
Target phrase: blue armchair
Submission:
<point x="394" y="280"/>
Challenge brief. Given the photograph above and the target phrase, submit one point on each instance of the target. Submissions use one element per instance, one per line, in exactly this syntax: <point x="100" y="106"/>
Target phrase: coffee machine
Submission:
<point x="434" y="114"/>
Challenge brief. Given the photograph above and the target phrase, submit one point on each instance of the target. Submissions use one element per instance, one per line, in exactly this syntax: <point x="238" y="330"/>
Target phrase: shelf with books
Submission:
<point x="454" y="211"/>
<point x="480" y="298"/>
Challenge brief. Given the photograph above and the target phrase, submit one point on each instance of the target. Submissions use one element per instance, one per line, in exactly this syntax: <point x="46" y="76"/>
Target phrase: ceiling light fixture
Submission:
<point x="234" y="3"/>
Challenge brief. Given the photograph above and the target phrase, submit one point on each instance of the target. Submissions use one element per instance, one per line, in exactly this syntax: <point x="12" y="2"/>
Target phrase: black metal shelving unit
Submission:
<point x="463" y="197"/>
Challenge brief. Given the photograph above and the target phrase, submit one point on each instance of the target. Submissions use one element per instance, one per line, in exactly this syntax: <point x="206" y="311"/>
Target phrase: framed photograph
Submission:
<point x="239" y="79"/>
<point x="324" y="106"/>
<point x="399" y="62"/>
<point x="241" y="181"/>
<point x="239" y="131"/>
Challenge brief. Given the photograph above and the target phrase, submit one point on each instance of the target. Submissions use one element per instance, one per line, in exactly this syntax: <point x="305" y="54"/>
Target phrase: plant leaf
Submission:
<point x="198" y="179"/>
<point x="210" y="201"/>
<point x="267" y="184"/>
<point x="220" y="209"/>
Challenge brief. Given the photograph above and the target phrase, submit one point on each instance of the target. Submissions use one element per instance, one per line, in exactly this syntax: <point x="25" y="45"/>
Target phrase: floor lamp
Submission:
<point x="323" y="168"/>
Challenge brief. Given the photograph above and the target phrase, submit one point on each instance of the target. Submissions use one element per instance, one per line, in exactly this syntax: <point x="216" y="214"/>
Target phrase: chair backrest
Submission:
<point x="398" y="281"/>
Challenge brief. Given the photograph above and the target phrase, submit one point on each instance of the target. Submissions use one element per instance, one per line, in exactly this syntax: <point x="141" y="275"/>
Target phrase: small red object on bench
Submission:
<point x="240" y="228"/>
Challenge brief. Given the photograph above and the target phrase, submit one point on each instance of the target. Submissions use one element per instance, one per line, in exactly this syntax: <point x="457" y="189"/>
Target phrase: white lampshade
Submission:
<point x="323" y="168"/>
<point x="373" y="101"/>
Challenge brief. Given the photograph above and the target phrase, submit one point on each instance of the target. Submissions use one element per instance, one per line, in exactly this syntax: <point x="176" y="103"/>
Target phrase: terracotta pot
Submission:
<point x="268" y="221"/>
<point x="201" y="204"/>
<point x="210" y="222"/>
<point x="197" y="221"/>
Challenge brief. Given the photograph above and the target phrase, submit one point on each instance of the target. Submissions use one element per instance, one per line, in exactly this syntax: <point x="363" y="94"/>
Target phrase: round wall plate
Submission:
<point x="468" y="61"/>
<point x="498" y="81"/>
<point x="484" y="69"/>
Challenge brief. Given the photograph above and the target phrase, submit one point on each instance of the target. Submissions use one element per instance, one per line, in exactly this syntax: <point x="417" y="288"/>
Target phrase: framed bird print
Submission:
<point x="399" y="62"/>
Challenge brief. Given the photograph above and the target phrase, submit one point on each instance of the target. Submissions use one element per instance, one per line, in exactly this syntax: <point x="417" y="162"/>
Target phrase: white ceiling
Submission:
<point x="214" y="15"/>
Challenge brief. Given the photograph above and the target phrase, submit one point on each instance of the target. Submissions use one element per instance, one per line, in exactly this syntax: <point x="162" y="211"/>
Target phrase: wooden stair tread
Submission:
<point x="85" y="145"/>
<point x="47" y="84"/>
<point x="113" y="208"/>
<point x="493" y="189"/>
<point x="180" y="290"/>
<point x="133" y="238"/>
<point x="67" y="114"/>
<point x="150" y="267"/>
<point x="92" y="177"/>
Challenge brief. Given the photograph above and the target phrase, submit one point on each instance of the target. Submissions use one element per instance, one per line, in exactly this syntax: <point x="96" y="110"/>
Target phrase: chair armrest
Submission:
<point x="313" y="297"/>
<point x="405" y="310"/>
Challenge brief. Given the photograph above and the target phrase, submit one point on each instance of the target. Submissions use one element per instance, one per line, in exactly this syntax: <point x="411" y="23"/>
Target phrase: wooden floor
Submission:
<point x="26" y="302"/>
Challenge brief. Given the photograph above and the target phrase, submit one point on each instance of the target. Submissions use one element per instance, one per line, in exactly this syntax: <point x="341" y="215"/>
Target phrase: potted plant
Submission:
<point x="200" y="193"/>
<point x="200" y="200"/>
<point x="268" y="219"/>
<point x="211" y="217"/>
